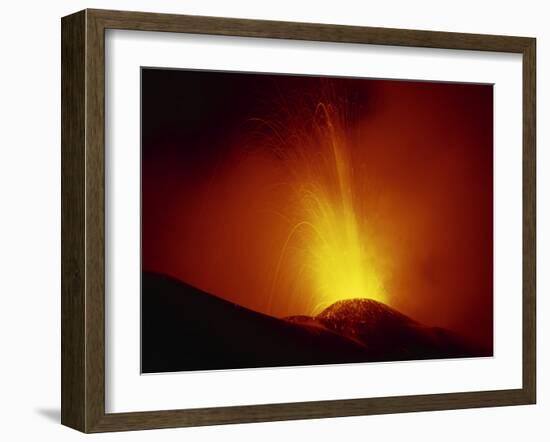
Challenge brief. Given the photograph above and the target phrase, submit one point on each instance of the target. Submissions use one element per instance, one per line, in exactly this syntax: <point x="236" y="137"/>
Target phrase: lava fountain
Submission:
<point x="330" y="252"/>
<point x="285" y="194"/>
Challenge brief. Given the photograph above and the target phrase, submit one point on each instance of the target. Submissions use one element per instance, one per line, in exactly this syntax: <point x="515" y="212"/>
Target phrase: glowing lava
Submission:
<point x="328" y="242"/>
<point x="284" y="194"/>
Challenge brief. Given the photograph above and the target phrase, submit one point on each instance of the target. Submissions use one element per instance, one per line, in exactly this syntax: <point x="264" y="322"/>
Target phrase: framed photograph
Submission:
<point x="268" y="220"/>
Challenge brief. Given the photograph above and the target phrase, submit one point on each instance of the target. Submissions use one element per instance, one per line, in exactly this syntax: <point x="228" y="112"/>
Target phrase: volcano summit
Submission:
<point x="184" y="328"/>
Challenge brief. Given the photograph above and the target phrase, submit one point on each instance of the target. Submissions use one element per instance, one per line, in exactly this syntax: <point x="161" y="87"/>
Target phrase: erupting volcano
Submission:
<point x="327" y="254"/>
<point x="293" y="220"/>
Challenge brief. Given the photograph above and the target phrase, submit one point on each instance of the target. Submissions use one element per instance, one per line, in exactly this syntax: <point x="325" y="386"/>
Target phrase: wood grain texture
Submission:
<point x="529" y="221"/>
<point x="83" y="220"/>
<point x="307" y="410"/>
<point x="145" y="21"/>
<point x="95" y="222"/>
<point x="73" y="103"/>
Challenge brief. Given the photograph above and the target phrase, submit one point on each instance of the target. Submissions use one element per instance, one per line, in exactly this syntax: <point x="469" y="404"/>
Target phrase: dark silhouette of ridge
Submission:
<point x="388" y="334"/>
<point x="184" y="328"/>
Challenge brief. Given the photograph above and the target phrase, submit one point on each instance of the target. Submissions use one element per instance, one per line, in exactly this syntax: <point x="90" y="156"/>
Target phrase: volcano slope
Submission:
<point x="184" y="328"/>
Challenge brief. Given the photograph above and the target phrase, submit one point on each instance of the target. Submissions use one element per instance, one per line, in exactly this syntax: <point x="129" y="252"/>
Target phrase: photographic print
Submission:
<point x="292" y="220"/>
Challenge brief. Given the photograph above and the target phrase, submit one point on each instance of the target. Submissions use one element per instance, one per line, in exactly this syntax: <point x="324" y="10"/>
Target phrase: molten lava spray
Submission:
<point x="328" y="243"/>
<point x="284" y="194"/>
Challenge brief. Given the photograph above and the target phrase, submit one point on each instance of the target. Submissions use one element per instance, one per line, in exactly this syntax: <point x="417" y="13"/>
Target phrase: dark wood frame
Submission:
<point x="83" y="217"/>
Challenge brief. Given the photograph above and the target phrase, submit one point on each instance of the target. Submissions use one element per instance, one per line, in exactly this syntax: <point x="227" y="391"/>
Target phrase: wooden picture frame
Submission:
<point x="83" y="220"/>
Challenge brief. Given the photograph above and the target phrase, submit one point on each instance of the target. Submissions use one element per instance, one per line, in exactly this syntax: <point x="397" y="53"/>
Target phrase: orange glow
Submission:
<point x="284" y="194"/>
<point x="327" y="250"/>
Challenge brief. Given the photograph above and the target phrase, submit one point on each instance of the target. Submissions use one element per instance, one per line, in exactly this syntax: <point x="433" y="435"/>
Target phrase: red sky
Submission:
<point x="286" y="193"/>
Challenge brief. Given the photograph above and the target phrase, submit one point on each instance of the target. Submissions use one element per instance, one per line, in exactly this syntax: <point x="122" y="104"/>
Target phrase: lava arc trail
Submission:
<point x="327" y="253"/>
